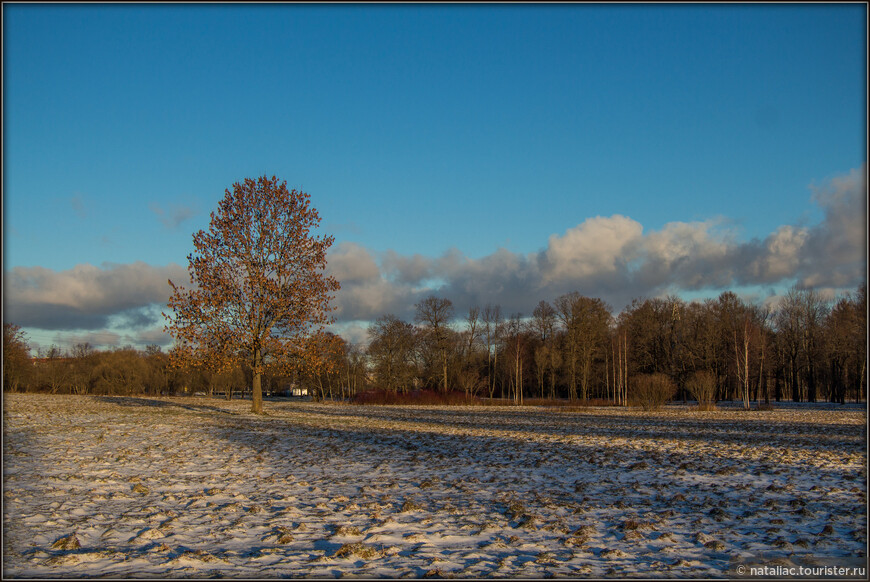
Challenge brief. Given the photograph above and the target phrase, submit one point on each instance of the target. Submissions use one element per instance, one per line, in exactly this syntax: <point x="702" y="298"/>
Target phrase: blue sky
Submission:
<point x="503" y="153"/>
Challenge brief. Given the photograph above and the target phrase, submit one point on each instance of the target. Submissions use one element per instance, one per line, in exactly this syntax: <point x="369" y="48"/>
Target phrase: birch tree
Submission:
<point x="493" y="328"/>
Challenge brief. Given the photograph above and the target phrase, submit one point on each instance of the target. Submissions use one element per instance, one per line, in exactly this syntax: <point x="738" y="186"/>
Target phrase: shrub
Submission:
<point x="651" y="391"/>
<point x="702" y="386"/>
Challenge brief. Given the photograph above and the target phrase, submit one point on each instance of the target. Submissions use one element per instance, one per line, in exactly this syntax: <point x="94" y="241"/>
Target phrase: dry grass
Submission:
<point x="70" y="542"/>
<point x="347" y="530"/>
<point x="357" y="549"/>
<point x="411" y="505"/>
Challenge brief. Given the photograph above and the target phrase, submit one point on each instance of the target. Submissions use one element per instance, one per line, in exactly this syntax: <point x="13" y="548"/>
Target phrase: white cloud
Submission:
<point x="780" y="256"/>
<point x="835" y="252"/>
<point x="351" y="263"/>
<point x="86" y="296"/>
<point x="401" y="269"/>
<point x="354" y="332"/>
<point x="682" y="241"/>
<point x="598" y="247"/>
<point x="607" y="257"/>
<point x="690" y="255"/>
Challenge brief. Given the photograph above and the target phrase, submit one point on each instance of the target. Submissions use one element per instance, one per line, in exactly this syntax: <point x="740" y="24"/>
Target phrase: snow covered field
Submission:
<point x="198" y="487"/>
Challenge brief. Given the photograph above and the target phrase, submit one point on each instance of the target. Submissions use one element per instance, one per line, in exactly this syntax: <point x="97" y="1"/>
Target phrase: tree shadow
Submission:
<point x="136" y="401"/>
<point x="753" y="430"/>
<point x="425" y="437"/>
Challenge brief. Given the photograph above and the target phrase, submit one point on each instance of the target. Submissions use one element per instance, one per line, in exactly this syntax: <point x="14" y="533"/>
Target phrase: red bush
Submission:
<point x="414" y="397"/>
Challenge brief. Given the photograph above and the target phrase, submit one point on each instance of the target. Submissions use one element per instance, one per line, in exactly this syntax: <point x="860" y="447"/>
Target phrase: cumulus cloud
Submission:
<point x="351" y="263"/>
<point x="613" y="258"/>
<point x="689" y="255"/>
<point x="86" y="296"/>
<point x="600" y="247"/>
<point x="406" y="270"/>
<point x="608" y="257"/>
<point x="835" y="252"/>
<point x="776" y="258"/>
<point x="364" y="289"/>
<point x="355" y="332"/>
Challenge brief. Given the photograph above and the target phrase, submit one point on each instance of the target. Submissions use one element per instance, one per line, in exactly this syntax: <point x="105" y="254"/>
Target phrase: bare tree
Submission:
<point x="355" y="368"/>
<point x="435" y="314"/>
<point x="493" y="327"/>
<point x="468" y="376"/>
<point x="516" y="341"/>
<point x="82" y="366"/>
<point x="543" y="323"/>
<point x="799" y="320"/>
<point x="55" y="369"/>
<point x="586" y="321"/>
<point x="17" y="365"/>
<point x="741" y="353"/>
<point x="122" y="371"/>
<point x="473" y="330"/>
<point x="845" y="332"/>
<point x="393" y="342"/>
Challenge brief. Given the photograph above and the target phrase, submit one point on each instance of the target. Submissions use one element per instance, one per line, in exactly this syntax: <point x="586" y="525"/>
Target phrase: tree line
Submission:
<point x="575" y="348"/>
<point x="806" y="350"/>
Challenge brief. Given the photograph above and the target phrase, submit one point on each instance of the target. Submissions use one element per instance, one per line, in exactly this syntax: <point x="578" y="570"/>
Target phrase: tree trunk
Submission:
<point x="494" y="369"/>
<point x="521" y="382"/>
<point x="446" y="386"/>
<point x="257" y="394"/>
<point x="490" y="385"/>
<point x="793" y="379"/>
<point x="257" y="384"/>
<point x="573" y="375"/>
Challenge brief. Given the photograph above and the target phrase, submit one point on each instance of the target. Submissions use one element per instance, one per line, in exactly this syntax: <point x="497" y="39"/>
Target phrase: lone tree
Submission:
<point x="258" y="287"/>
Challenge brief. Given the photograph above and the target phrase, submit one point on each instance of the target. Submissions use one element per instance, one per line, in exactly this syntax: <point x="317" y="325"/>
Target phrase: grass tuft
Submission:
<point x="358" y="549"/>
<point x="347" y="530"/>
<point x="139" y="488"/>
<point x="70" y="542"/>
<point x="411" y="505"/>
